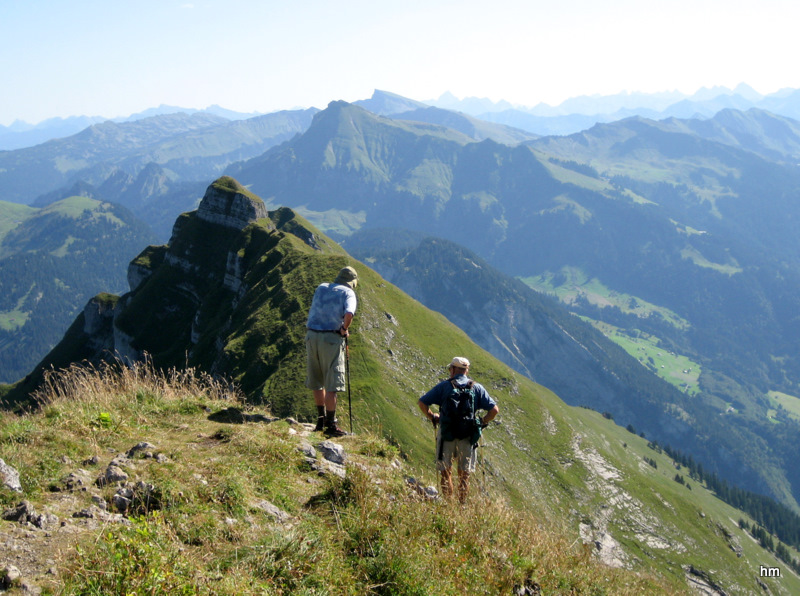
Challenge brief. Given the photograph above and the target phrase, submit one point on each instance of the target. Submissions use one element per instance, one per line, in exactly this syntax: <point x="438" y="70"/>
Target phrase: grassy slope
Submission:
<point x="541" y="455"/>
<point x="398" y="351"/>
<point x="203" y="531"/>
<point x="52" y="261"/>
<point x="674" y="368"/>
<point x="571" y="284"/>
<point x="11" y="215"/>
<point x="368" y="534"/>
<point x="790" y="403"/>
<point x="693" y="519"/>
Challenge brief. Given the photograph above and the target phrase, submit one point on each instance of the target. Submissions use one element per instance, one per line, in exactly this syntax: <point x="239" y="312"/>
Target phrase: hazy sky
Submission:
<point x="113" y="58"/>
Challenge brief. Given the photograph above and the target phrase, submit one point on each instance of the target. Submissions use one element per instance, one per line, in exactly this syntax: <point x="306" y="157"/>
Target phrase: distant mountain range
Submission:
<point x="186" y="145"/>
<point x="605" y="104"/>
<point x="674" y="238"/>
<point x="580" y="113"/>
<point x="572" y="115"/>
<point x="22" y="134"/>
<point x="674" y="241"/>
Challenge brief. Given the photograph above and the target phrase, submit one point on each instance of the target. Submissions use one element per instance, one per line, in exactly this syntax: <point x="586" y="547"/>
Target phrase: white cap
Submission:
<point x="459" y="362"/>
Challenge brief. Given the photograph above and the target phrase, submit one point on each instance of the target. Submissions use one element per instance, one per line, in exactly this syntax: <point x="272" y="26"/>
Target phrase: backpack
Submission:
<point x="457" y="414"/>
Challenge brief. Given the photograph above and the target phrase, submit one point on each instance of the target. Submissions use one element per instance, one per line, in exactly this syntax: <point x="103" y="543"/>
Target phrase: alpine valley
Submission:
<point x="684" y="249"/>
<point x="52" y="260"/>
<point x="229" y="294"/>
<point x="645" y="269"/>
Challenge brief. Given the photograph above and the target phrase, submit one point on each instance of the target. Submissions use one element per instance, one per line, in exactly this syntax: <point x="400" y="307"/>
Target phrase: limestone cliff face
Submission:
<point x="142" y="267"/>
<point x="229" y="204"/>
<point x="193" y="300"/>
<point x="98" y="317"/>
<point x="204" y="251"/>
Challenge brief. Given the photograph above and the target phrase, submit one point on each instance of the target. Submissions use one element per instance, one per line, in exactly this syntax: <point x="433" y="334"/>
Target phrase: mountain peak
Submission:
<point x="230" y="204"/>
<point x="385" y="103"/>
<point x="748" y="92"/>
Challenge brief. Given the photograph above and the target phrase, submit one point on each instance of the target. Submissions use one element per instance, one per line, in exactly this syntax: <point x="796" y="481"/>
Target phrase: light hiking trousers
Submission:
<point x="325" y="361"/>
<point x="461" y="450"/>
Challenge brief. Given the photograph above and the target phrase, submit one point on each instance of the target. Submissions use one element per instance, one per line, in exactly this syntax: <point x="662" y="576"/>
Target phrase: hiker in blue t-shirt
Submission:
<point x="459" y="399"/>
<point x="331" y="313"/>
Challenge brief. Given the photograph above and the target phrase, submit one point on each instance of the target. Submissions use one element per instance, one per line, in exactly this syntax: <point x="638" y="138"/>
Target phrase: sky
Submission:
<point x="113" y="58"/>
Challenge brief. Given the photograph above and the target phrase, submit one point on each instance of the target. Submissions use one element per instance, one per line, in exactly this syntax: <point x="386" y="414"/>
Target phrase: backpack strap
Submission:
<point x="457" y="387"/>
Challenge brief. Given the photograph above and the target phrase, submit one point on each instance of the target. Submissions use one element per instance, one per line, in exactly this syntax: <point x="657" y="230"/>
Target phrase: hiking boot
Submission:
<point x="320" y="424"/>
<point x="334" y="431"/>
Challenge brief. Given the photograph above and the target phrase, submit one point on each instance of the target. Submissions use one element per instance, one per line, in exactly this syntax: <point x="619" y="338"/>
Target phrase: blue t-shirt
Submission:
<point x="330" y="303"/>
<point x="436" y="395"/>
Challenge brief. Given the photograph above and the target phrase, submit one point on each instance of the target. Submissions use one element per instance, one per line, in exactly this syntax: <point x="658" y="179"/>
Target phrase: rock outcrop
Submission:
<point x="192" y="300"/>
<point x="9" y="477"/>
<point x="230" y="204"/>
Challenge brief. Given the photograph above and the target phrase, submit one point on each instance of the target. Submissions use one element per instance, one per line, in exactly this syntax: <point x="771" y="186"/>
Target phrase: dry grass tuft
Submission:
<point x="106" y="383"/>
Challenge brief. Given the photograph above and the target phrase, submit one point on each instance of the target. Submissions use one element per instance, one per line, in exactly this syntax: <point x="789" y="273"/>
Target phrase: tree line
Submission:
<point x="774" y="517"/>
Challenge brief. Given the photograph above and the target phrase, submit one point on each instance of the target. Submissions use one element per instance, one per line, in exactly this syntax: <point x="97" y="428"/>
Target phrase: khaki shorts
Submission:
<point x="325" y="361"/>
<point x="461" y="450"/>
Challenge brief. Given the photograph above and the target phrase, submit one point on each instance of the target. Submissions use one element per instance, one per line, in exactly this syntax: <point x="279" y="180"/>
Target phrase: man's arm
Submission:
<point x="490" y="415"/>
<point x="427" y="412"/>
<point x="485" y="402"/>
<point x="348" y="319"/>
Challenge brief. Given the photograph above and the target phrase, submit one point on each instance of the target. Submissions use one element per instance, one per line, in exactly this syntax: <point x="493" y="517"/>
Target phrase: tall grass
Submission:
<point x="366" y="534"/>
<point x="360" y="538"/>
<point x="85" y="384"/>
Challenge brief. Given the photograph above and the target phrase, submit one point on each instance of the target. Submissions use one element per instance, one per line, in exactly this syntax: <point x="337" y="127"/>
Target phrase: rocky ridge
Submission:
<point x="184" y="296"/>
<point x="39" y="539"/>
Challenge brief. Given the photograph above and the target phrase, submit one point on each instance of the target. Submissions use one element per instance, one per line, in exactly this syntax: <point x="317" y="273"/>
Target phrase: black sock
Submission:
<point x="330" y="418"/>
<point x="320" y="411"/>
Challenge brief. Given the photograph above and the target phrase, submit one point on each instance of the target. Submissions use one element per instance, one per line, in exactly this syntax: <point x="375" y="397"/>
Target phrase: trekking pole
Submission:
<point x="435" y="442"/>
<point x="436" y="450"/>
<point x="482" y="465"/>
<point x="482" y="468"/>
<point x="347" y="376"/>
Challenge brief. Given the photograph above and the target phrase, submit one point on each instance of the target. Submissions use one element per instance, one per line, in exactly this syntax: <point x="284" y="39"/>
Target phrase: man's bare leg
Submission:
<point x="447" y="483"/>
<point x="463" y="485"/>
